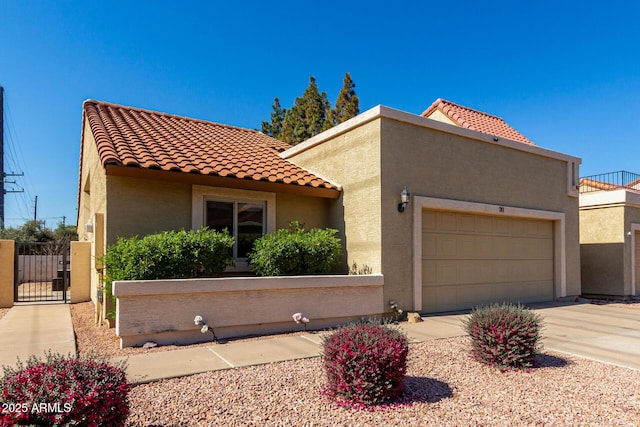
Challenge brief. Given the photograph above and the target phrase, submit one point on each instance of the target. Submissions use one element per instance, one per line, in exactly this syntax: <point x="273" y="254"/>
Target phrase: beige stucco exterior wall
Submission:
<point x="7" y="271"/>
<point x="602" y="247"/>
<point x="92" y="185"/>
<point x="313" y="212"/>
<point x="608" y="223"/>
<point x="631" y="224"/>
<point x="353" y="160"/>
<point x="441" y="117"/>
<point x="437" y="164"/>
<point x="80" y="271"/>
<point x="374" y="157"/>
<point x="142" y="206"/>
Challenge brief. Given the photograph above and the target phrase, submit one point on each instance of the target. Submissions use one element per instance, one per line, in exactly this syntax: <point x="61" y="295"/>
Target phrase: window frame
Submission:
<point x="201" y="193"/>
<point x="234" y="232"/>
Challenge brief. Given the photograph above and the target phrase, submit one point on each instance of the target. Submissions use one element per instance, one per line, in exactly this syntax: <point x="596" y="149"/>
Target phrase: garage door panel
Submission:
<point x="446" y="222"/>
<point x="459" y="297"/>
<point x="451" y="272"/>
<point x="451" y="245"/>
<point x="473" y="259"/>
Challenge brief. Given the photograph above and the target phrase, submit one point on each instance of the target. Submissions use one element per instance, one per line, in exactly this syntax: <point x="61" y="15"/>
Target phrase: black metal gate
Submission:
<point x="42" y="272"/>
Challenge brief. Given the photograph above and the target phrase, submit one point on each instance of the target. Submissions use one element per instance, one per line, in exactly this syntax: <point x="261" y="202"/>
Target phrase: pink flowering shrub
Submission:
<point x="365" y="364"/>
<point x="64" y="391"/>
<point x="504" y="335"/>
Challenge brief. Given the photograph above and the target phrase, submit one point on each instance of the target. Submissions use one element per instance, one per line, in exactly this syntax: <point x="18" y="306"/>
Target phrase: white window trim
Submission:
<point x="421" y="203"/>
<point x="200" y="194"/>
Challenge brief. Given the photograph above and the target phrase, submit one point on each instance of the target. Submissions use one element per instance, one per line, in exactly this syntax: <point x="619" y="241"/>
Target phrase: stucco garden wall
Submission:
<point x="7" y="262"/>
<point x="163" y="310"/>
<point x="80" y="271"/>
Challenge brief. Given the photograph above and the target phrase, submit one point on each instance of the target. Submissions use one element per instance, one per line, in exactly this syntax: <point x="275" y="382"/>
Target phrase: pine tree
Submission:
<point x="347" y="104"/>
<point x="311" y="113"/>
<point x="274" y="127"/>
<point x="307" y="116"/>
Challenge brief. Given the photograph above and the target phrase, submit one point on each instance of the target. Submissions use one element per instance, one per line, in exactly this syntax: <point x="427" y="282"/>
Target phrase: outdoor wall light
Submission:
<point x="88" y="227"/>
<point x="404" y="200"/>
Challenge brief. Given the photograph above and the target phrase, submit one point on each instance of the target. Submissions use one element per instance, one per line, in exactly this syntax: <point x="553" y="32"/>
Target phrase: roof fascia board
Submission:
<point x="219" y="181"/>
<point x="380" y="111"/>
<point x="602" y="199"/>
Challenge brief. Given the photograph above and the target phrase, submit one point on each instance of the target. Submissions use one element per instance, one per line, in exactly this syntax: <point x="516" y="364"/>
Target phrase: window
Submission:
<point x="245" y="221"/>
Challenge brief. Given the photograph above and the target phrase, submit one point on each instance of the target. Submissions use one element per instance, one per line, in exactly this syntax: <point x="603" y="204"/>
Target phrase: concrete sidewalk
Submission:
<point x="602" y="333"/>
<point x="169" y="364"/>
<point x="34" y="329"/>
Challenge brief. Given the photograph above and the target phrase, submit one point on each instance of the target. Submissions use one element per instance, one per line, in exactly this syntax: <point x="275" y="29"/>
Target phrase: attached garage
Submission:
<point x="471" y="259"/>
<point x="468" y="255"/>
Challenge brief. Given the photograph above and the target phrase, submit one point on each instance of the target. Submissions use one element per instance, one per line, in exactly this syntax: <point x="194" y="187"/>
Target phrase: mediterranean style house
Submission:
<point x="453" y="207"/>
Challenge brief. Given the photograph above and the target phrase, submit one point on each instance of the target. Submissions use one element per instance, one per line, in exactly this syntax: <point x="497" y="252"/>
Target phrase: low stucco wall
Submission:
<point x="163" y="310"/>
<point x="7" y="268"/>
<point x="81" y="271"/>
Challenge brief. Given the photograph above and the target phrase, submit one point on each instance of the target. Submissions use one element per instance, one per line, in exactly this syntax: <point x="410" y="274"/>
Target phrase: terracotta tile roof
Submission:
<point x="475" y="120"/>
<point x="592" y="184"/>
<point x="133" y="137"/>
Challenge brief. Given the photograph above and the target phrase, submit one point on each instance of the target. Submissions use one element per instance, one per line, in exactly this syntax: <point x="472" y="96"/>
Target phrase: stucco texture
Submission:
<point x="374" y="160"/>
<point x="606" y="245"/>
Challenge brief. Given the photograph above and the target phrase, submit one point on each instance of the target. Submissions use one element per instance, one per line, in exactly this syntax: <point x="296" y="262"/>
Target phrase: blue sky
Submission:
<point x="565" y="74"/>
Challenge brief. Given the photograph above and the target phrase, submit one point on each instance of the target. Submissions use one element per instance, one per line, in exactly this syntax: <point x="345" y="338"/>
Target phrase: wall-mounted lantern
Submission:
<point x="404" y="200"/>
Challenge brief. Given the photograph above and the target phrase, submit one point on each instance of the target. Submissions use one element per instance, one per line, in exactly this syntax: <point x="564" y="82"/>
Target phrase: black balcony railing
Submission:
<point x="610" y="181"/>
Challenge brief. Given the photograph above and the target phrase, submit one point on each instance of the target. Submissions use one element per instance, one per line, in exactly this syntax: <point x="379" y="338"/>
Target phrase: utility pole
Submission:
<point x="3" y="175"/>
<point x="35" y="210"/>
<point x="1" y="158"/>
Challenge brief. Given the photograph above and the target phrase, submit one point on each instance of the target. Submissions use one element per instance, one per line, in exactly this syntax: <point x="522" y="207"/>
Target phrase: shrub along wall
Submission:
<point x="163" y="311"/>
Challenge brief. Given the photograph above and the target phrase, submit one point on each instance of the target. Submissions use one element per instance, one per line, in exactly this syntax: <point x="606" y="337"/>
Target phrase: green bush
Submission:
<point x="169" y="255"/>
<point x="504" y="335"/>
<point x="365" y="364"/>
<point x="291" y="252"/>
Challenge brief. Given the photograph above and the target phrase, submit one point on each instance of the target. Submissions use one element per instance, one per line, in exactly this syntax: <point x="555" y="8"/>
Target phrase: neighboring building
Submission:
<point x="610" y="234"/>
<point x="490" y="215"/>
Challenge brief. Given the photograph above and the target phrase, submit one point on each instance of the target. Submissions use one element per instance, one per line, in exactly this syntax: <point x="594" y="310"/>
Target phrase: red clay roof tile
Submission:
<point x="475" y="120"/>
<point x="127" y="136"/>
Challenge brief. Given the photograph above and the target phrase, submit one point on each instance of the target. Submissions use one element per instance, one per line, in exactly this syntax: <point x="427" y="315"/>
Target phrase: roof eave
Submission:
<point x="219" y="181"/>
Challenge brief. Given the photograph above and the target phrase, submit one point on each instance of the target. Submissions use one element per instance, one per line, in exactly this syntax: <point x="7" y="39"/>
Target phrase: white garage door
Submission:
<point x="470" y="259"/>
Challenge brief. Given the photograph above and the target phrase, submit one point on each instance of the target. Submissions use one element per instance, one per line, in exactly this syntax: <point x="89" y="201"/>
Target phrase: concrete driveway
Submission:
<point x="598" y="332"/>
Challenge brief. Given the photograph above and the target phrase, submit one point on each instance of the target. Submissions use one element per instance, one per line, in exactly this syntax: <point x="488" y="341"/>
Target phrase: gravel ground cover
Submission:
<point x="444" y="387"/>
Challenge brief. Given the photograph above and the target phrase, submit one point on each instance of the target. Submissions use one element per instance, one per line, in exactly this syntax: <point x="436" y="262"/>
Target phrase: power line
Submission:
<point x="11" y="157"/>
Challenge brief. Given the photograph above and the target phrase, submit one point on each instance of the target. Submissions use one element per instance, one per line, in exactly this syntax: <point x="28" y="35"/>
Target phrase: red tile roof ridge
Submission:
<point x="476" y="120"/>
<point x="169" y="115"/>
<point x="439" y="101"/>
<point x="601" y="185"/>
